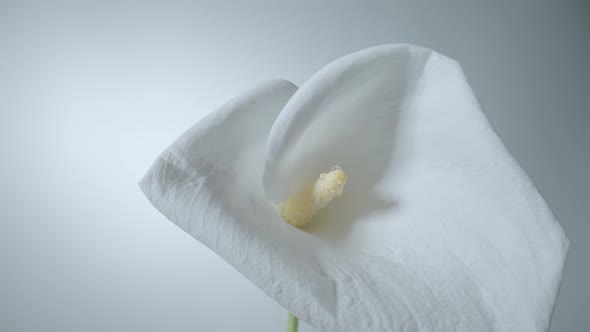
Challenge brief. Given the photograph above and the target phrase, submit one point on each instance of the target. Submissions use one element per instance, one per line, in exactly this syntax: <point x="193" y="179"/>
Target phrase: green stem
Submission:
<point x="292" y="323"/>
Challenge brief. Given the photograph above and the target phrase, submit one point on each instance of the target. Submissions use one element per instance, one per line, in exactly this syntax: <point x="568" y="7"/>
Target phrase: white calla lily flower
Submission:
<point x="437" y="228"/>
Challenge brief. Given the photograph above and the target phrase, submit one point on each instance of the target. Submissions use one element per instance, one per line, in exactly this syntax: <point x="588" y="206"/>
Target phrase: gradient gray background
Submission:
<point x="91" y="93"/>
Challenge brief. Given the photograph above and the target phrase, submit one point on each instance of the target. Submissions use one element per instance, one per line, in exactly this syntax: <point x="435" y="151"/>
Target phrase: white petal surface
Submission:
<point x="439" y="231"/>
<point x="208" y="182"/>
<point x="343" y="115"/>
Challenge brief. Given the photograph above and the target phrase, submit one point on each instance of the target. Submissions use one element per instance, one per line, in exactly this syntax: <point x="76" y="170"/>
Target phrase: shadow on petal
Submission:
<point x="358" y="133"/>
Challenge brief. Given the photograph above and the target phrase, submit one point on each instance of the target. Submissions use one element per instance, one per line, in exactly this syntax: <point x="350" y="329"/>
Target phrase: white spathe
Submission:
<point x="438" y="228"/>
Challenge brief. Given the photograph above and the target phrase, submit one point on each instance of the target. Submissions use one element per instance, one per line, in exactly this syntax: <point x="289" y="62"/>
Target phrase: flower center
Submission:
<point x="299" y="208"/>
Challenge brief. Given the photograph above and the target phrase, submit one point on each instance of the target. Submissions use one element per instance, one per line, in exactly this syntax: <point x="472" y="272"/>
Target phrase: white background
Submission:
<point x="90" y="94"/>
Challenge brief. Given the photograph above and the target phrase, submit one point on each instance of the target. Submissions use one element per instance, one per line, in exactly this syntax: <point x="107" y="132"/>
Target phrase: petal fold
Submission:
<point x="344" y="115"/>
<point x="208" y="182"/>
